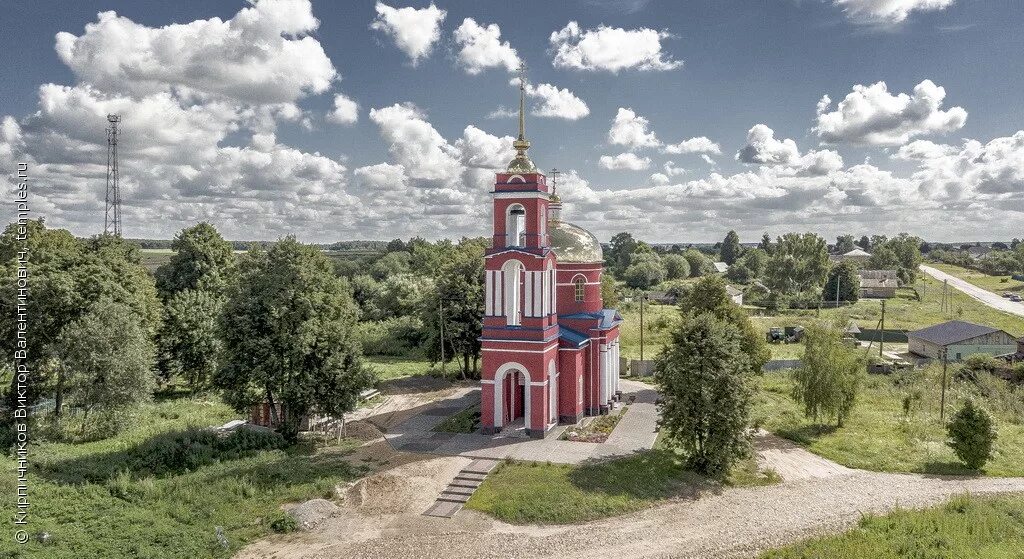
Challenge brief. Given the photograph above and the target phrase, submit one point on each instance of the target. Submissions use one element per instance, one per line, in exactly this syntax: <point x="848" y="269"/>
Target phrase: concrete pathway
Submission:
<point x="985" y="296"/>
<point x="637" y="430"/>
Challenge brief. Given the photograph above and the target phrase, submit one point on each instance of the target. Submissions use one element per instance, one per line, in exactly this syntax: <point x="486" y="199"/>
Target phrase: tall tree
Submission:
<point x="676" y="266"/>
<point x="844" y="278"/>
<point x="459" y="300"/>
<point x="799" y="264"/>
<point x="829" y="377"/>
<point x="645" y="271"/>
<point x="620" y="250"/>
<point x="699" y="264"/>
<point x="731" y="249"/>
<point x="766" y="243"/>
<point x="844" y="244"/>
<point x="864" y="243"/>
<point x="108" y="359"/>
<point x="710" y="296"/>
<point x="288" y="330"/>
<point x="705" y="398"/>
<point x="202" y="260"/>
<point x="189" y="344"/>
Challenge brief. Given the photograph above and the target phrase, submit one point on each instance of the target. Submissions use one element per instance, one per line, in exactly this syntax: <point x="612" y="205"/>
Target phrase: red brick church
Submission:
<point x="550" y="348"/>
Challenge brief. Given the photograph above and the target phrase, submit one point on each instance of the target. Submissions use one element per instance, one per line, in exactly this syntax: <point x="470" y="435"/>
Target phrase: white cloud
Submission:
<point x="414" y="31"/>
<point x="887" y="12"/>
<point x="660" y="178"/>
<point x="629" y="129"/>
<point x="975" y="172"/>
<point x="414" y="142"/>
<point x="872" y="115"/>
<point x="482" y="48"/>
<point x="763" y="148"/>
<point x="610" y="48"/>
<point x="381" y="178"/>
<point x="625" y="161"/>
<point x="345" y="111"/>
<point x="672" y="170"/>
<point x="556" y="103"/>
<point x="700" y="144"/>
<point x="707" y="159"/>
<point x="478" y="149"/>
<point x="920" y="150"/>
<point x="257" y="56"/>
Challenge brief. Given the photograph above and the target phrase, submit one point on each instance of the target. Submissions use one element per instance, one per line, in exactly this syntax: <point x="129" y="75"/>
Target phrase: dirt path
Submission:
<point x="382" y="519"/>
<point x="381" y="515"/>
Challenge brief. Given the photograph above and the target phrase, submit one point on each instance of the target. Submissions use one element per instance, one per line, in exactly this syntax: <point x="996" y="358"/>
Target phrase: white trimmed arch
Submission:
<point x="512" y="272"/>
<point x="499" y="389"/>
<point x="552" y="392"/>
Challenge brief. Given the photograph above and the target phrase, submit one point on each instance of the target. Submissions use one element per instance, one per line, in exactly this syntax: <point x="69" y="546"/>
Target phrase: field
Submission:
<point x="995" y="284"/>
<point x="904" y="312"/>
<point x="880" y="437"/>
<point x="985" y="528"/>
<point x="112" y="498"/>
<point x="531" y="492"/>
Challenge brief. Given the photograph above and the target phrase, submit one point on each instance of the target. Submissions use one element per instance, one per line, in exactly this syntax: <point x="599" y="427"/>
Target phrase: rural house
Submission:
<point x="960" y="339"/>
<point x="856" y="255"/>
<point x="878" y="284"/>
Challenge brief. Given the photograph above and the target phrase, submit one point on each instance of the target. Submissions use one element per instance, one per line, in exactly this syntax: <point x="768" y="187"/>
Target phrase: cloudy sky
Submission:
<point x="675" y="120"/>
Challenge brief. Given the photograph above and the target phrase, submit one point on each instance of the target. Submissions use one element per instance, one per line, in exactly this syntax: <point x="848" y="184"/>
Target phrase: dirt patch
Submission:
<point x="313" y="512"/>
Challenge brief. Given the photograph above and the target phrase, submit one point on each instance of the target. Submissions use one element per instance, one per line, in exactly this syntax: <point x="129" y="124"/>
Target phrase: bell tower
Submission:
<point x="520" y="326"/>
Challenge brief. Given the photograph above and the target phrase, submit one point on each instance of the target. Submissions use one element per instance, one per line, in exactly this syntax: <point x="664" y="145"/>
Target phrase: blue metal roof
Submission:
<point x="609" y="318"/>
<point x="571" y="336"/>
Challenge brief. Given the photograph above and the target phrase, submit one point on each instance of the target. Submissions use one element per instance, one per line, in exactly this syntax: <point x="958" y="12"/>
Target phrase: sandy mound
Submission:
<point x="363" y="431"/>
<point x="313" y="512"/>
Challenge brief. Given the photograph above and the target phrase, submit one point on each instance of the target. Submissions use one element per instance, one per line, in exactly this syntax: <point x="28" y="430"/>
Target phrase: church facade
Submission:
<point x="550" y="350"/>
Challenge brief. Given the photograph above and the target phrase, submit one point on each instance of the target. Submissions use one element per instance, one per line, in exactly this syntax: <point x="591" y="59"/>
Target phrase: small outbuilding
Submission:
<point x="960" y="339"/>
<point x="856" y="255"/>
<point x="735" y="294"/>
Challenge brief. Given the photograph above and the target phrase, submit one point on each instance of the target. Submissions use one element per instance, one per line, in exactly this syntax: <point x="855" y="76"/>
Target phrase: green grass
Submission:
<point x="995" y="284"/>
<point x="985" y="528"/>
<point x="466" y="421"/>
<point x="879" y="437"/>
<point x="390" y="368"/>
<point x="532" y="492"/>
<point x="82" y="495"/>
<point x="904" y="311"/>
<point x="658" y="322"/>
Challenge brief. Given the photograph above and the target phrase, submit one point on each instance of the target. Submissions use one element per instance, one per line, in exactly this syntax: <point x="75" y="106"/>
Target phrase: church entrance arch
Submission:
<point x="511" y="395"/>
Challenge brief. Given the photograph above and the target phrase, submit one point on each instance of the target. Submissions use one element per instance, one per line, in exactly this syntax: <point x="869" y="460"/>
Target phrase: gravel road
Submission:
<point x="985" y="296"/>
<point x="732" y="523"/>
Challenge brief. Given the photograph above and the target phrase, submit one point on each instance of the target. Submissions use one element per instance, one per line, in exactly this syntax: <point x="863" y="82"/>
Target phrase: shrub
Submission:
<point x="191" y="449"/>
<point x="284" y="523"/>
<point x="971" y="434"/>
<point x="393" y="337"/>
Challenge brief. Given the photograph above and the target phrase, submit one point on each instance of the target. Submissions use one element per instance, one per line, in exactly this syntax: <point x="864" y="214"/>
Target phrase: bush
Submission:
<point x="395" y="337"/>
<point x="191" y="449"/>
<point x="284" y="523"/>
<point x="971" y="434"/>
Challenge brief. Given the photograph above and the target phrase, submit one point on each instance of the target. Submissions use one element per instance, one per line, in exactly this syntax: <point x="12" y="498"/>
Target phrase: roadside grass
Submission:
<point x="879" y="436"/>
<point x="966" y="526"/>
<point x="465" y="421"/>
<point x="92" y="504"/>
<point x="390" y="368"/>
<point x="534" y="492"/>
<point x="995" y="284"/>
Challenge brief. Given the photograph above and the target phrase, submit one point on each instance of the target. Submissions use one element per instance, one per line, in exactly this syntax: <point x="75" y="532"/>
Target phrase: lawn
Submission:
<point x="466" y="421"/>
<point x="390" y="368"/>
<point x="103" y="499"/>
<point x="878" y="436"/>
<point x="986" y="528"/>
<point x="658" y="322"/>
<point x="532" y="492"/>
<point x="995" y="284"/>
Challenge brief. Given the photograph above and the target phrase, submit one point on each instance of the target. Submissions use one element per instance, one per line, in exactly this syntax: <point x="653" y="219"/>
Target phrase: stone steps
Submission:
<point x="461" y="488"/>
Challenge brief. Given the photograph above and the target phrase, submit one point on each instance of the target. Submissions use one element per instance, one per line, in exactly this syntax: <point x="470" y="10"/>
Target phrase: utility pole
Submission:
<point x="643" y="296"/>
<point x="942" y="401"/>
<point x="440" y="316"/>
<point x="881" y="338"/>
<point x="837" y="290"/>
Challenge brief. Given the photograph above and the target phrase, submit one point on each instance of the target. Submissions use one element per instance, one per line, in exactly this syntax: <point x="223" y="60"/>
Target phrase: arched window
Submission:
<point x="580" y="287"/>
<point x="512" y="272"/>
<point x="515" y="226"/>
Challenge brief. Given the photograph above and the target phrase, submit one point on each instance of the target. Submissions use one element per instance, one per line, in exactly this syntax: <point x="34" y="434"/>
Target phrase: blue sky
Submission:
<point x="699" y="116"/>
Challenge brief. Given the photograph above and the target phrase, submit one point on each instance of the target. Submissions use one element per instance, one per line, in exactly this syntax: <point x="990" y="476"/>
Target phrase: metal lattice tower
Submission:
<point x="112" y="218"/>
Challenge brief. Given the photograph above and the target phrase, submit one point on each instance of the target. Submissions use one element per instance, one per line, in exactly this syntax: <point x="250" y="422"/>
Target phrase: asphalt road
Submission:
<point x="985" y="296"/>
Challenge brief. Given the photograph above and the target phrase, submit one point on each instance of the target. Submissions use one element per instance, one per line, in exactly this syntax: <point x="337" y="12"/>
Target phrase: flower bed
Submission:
<point x="596" y="431"/>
